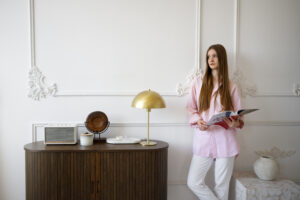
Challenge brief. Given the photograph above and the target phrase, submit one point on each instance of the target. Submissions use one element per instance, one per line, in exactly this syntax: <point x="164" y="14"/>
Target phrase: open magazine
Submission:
<point x="218" y="119"/>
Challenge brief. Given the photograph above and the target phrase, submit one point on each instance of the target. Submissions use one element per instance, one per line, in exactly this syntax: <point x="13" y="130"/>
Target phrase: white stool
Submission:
<point x="246" y="186"/>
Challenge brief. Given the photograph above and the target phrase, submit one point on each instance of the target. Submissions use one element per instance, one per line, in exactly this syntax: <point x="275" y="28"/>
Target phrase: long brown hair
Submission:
<point x="223" y="78"/>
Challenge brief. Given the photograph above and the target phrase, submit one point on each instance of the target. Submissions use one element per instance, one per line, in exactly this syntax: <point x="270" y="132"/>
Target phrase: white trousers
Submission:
<point x="198" y="170"/>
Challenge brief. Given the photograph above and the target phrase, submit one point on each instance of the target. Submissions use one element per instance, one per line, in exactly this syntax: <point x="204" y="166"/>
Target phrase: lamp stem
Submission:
<point x="148" y="111"/>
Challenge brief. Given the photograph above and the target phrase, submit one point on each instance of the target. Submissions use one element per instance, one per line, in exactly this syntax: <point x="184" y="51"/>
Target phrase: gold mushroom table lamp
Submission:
<point x="148" y="99"/>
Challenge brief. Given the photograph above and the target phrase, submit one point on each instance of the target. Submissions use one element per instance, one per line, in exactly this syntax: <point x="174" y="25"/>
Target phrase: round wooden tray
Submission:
<point x="97" y="122"/>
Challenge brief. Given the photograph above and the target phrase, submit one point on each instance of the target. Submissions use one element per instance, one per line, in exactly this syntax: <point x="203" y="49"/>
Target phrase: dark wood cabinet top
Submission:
<point x="99" y="147"/>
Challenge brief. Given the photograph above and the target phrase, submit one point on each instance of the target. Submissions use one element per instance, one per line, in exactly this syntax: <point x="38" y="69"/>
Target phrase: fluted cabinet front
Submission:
<point x="58" y="176"/>
<point x="100" y="172"/>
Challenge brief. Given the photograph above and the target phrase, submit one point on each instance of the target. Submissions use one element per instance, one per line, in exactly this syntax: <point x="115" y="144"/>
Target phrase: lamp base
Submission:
<point x="151" y="143"/>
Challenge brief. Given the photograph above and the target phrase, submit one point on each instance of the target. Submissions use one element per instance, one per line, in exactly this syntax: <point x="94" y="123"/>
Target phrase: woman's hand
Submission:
<point x="233" y="123"/>
<point x="202" y="125"/>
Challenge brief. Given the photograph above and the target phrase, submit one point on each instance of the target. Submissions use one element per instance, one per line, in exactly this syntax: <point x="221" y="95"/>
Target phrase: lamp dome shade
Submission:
<point x="148" y="99"/>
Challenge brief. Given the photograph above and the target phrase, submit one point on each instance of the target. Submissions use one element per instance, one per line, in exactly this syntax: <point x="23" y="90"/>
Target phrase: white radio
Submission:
<point x="60" y="134"/>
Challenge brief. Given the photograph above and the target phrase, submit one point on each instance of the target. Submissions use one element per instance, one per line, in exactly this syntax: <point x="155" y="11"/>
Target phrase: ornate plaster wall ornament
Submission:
<point x="237" y="77"/>
<point x="38" y="88"/>
<point x="275" y="153"/>
<point x="183" y="88"/>
<point x="296" y="89"/>
<point x="241" y="81"/>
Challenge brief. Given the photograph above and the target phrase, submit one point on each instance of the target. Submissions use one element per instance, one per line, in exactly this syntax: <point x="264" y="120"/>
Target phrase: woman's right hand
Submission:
<point x="202" y="125"/>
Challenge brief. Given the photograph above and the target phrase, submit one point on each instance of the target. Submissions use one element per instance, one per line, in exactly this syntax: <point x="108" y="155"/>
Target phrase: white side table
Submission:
<point x="246" y="186"/>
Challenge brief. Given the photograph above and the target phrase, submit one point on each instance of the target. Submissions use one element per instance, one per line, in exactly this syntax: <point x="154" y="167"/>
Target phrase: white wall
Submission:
<point x="268" y="53"/>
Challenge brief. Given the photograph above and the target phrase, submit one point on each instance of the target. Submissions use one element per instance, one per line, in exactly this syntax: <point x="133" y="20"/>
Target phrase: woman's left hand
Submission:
<point x="232" y="123"/>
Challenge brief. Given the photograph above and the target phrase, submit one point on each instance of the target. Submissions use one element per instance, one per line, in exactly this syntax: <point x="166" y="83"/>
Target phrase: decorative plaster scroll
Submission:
<point x="275" y="153"/>
<point x="296" y="89"/>
<point x="237" y="77"/>
<point x="183" y="88"/>
<point x="240" y="80"/>
<point x="38" y="88"/>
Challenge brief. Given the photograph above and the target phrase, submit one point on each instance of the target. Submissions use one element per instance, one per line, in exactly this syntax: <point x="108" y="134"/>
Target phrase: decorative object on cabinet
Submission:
<point x="86" y="139"/>
<point x="266" y="166"/>
<point x="101" y="171"/>
<point x="60" y="134"/>
<point x="148" y="99"/>
<point x="97" y="123"/>
<point x="122" y="140"/>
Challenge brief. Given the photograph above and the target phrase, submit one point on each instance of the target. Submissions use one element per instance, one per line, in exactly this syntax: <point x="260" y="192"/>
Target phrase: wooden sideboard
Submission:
<point x="101" y="171"/>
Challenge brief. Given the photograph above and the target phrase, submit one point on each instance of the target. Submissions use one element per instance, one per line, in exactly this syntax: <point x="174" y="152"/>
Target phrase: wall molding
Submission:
<point x="250" y="89"/>
<point x="275" y="94"/>
<point x="183" y="88"/>
<point x="97" y="93"/>
<point x="39" y="89"/>
<point x="238" y="76"/>
<point x="37" y="125"/>
<point x="246" y="88"/>
<point x="172" y="124"/>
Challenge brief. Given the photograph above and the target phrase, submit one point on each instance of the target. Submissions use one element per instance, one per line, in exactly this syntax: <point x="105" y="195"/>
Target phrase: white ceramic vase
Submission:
<point x="266" y="168"/>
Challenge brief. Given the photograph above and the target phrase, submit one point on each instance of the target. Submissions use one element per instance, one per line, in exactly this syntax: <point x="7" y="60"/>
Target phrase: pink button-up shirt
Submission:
<point x="216" y="141"/>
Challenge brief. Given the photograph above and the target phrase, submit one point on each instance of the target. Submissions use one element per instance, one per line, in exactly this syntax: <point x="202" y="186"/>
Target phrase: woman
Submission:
<point x="210" y="95"/>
